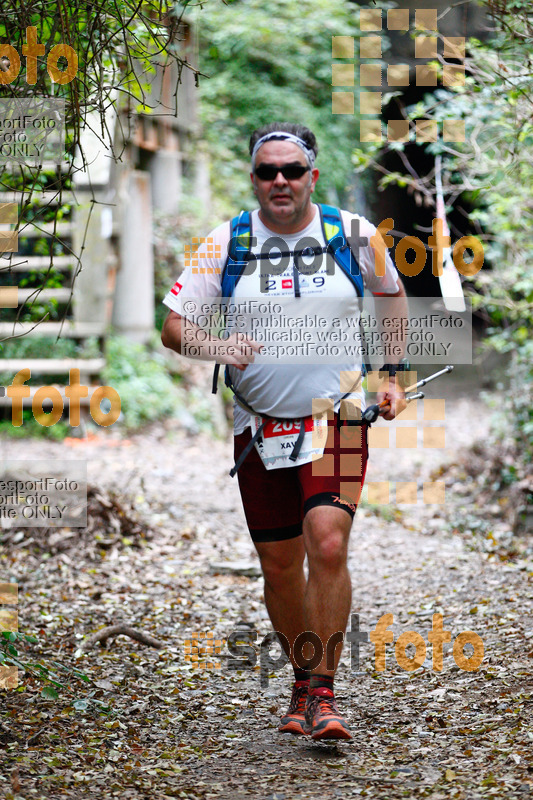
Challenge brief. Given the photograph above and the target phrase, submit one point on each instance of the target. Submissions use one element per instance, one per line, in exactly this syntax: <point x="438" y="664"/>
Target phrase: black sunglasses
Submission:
<point x="291" y="172"/>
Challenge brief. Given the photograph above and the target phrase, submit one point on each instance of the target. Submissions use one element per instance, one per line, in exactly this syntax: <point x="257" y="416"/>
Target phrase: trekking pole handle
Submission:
<point x="372" y="412"/>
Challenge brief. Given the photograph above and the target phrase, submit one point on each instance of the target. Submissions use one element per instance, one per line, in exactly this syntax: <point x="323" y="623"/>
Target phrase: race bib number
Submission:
<point x="279" y="436"/>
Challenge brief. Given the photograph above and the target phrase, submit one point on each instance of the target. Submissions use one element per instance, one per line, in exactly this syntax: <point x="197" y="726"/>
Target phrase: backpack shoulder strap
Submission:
<point x="240" y="236"/>
<point x="238" y="250"/>
<point x="337" y="245"/>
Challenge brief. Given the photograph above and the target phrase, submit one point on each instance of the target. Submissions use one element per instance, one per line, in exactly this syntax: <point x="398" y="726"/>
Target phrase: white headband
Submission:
<point x="289" y="137"/>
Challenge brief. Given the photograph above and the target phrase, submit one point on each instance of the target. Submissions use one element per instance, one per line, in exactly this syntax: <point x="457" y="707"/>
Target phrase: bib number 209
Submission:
<point x="280" y="428"/>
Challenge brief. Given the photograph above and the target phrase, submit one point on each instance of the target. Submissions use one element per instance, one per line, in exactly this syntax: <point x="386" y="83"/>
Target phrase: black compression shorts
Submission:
<point x="276" y="501"/>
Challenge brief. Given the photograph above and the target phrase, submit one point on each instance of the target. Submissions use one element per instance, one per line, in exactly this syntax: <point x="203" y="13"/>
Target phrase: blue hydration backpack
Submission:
<point x="239" y="255"/>
<point x="334" y="235"/>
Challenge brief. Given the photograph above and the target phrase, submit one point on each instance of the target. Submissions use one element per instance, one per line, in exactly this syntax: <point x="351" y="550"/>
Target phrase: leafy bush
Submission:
<point x="138" y="373"/>
<point x="31" y="428"/>
<point x="42" y="346"/>
<point x="493" y="169"/>
<point x="141" y="377"/>
<point x="10" y="656"/>
<point x="266" y="62"/>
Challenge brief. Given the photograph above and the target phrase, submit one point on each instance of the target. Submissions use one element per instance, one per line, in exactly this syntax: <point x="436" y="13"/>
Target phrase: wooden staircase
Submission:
<point x="74" y="295"/>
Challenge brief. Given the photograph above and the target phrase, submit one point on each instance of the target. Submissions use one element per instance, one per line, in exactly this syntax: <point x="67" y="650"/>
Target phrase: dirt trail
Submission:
<point x="176" y="731"/>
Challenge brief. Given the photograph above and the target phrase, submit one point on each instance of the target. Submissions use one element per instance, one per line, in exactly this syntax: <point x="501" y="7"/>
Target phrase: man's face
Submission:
<point x="285" y="203"/>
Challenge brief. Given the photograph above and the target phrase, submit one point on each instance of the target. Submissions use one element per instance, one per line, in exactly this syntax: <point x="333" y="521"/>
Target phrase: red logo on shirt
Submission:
<point x="286" y="284"/>
<point x="176" y="289"/>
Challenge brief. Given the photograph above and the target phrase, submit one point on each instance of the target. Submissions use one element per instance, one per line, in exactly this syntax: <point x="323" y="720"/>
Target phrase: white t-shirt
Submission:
<point x="283" y="390"/>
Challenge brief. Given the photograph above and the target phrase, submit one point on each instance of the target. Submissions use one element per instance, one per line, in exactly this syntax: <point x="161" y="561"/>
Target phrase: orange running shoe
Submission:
<point x="322" y="718"/>
<point x="293" y="720"/>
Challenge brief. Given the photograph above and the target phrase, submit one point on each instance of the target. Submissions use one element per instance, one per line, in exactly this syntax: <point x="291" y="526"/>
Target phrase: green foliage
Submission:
<point x="141" y="377"/>
<point x="139" y="374"/>
<point x="10" y="655"/>
<point x="267" y="62"/>
<point x="42" y="346"/>
<point x="31" y="428"/>
<point x="119" y="47"/>
<point x="121" y="51"/>
<point x="493" y="170"/>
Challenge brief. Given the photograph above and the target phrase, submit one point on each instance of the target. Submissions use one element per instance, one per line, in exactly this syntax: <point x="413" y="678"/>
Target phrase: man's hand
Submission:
<point x="186" y="338"/>
<point x="237" y="350"/>
<point x="395" y="395"/>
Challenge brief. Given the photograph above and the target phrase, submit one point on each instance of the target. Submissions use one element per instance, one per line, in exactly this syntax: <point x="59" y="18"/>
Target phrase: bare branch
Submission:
<point x="104" y="634"/>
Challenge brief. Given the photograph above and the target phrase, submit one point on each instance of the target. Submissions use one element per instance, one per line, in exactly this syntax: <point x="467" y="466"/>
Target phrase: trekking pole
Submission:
<point x="372" y="412"/>
<point x="423" y="382"/>
<point x="417" y="396"/>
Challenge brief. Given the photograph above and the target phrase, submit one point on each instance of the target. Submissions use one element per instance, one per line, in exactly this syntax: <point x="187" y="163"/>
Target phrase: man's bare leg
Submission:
<point x="282" y="565"/>
<point x="327" y="608"/>
<point x="328" y="594"/>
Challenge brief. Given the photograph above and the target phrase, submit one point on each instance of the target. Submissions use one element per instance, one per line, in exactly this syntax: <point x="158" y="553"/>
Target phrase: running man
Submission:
<point x="304" y="506"/>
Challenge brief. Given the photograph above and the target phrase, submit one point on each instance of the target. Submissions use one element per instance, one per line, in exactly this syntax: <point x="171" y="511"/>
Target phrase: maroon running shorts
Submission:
<point x="275" y="501"/>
